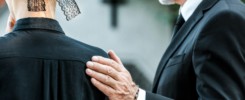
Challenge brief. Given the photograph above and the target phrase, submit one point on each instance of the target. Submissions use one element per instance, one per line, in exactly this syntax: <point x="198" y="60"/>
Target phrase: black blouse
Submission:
<point x="39" y="62"/>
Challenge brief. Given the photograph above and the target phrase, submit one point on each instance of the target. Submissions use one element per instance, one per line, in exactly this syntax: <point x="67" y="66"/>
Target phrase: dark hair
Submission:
<point x="36" y="5"/>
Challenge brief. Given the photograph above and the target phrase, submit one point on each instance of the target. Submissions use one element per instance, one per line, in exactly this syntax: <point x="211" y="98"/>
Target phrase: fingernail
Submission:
<point x="110" y="51"/>
<point x="88" y="71"/>
<point x="95" y="58"/>
<point x="90" y="64"/>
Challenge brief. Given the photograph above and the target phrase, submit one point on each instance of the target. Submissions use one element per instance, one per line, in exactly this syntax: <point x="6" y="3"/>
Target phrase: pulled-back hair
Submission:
<point x="36" y="5"/>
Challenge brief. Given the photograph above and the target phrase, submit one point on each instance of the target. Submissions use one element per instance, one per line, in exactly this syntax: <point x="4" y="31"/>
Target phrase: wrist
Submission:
<point x="137" y="93"/>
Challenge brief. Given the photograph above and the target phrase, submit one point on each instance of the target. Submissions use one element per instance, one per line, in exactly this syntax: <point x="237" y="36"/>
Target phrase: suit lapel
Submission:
<point x="181" y="36"/>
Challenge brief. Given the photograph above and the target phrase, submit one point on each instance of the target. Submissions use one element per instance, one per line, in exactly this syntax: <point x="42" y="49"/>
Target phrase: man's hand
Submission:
<point x="111" y="77"/>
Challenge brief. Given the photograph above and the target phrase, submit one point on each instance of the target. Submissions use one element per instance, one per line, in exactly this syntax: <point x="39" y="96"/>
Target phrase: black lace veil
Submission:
<point x="69" y="7"/>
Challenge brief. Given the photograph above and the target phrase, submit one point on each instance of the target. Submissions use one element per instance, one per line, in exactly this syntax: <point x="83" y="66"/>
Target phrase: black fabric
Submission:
<point x="205" y="60"/>
<point x="180" y="21"/>
<point x="39" y="62"/>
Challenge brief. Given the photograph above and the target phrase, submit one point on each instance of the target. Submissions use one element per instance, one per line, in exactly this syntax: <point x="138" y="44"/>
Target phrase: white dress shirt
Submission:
<point x="186" y="10"/>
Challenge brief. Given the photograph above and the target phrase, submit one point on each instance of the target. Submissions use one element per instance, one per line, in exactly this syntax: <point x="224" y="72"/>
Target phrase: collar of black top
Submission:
<point x="38" y="23"/>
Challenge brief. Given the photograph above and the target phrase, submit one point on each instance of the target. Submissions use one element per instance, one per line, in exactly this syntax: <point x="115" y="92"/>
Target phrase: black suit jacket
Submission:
<point x="206" y="59"/>
<point x="39" y="62"/>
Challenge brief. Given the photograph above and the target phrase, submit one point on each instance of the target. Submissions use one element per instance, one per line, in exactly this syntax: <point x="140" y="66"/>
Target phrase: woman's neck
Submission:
<point x="20" y="10"/>
<point x="43" y="14"/>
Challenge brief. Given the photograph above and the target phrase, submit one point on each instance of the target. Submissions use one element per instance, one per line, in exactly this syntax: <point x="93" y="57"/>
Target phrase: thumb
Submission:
<point x="113" y="56"/>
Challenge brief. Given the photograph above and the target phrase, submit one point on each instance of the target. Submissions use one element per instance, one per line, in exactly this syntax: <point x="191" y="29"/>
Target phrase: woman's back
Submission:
<point x="39" y="62"/>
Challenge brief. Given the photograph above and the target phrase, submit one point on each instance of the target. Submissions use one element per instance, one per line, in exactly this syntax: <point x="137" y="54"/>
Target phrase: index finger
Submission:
<point x="108" y="62"/>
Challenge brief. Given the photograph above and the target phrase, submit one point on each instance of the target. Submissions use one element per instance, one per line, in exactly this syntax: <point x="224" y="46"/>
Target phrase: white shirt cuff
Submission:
<point x="141" y="95"/>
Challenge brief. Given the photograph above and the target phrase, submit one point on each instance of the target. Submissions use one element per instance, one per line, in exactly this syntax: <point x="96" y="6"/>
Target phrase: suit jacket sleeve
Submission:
<point x="218" y="58"/>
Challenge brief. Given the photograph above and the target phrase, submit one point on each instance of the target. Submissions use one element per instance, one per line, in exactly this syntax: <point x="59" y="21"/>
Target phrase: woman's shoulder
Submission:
<point x="85" y="49"/>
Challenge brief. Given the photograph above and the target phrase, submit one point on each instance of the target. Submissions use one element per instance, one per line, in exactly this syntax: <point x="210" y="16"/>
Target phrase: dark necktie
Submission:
<point x="180" y="21"/>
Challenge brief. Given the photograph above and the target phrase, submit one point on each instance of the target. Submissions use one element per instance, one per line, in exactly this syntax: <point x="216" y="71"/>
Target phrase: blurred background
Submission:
<point x="139" y="31"/>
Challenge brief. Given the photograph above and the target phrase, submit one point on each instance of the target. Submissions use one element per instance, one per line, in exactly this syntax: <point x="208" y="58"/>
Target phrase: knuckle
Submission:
<point x="101" y="59"/>
<point x="118" y="76"/>
<point x="121" y="85"/>
<point x="98" y="66"/>
<point x="107" y="79"/>
<point x="112" y="63"/>
<point x="114" y="85"/>
<point x="109" y="93"/>
<point x="95" y="65"/>
<point x="109" y="71"/>
<point x="112" y="72"/>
